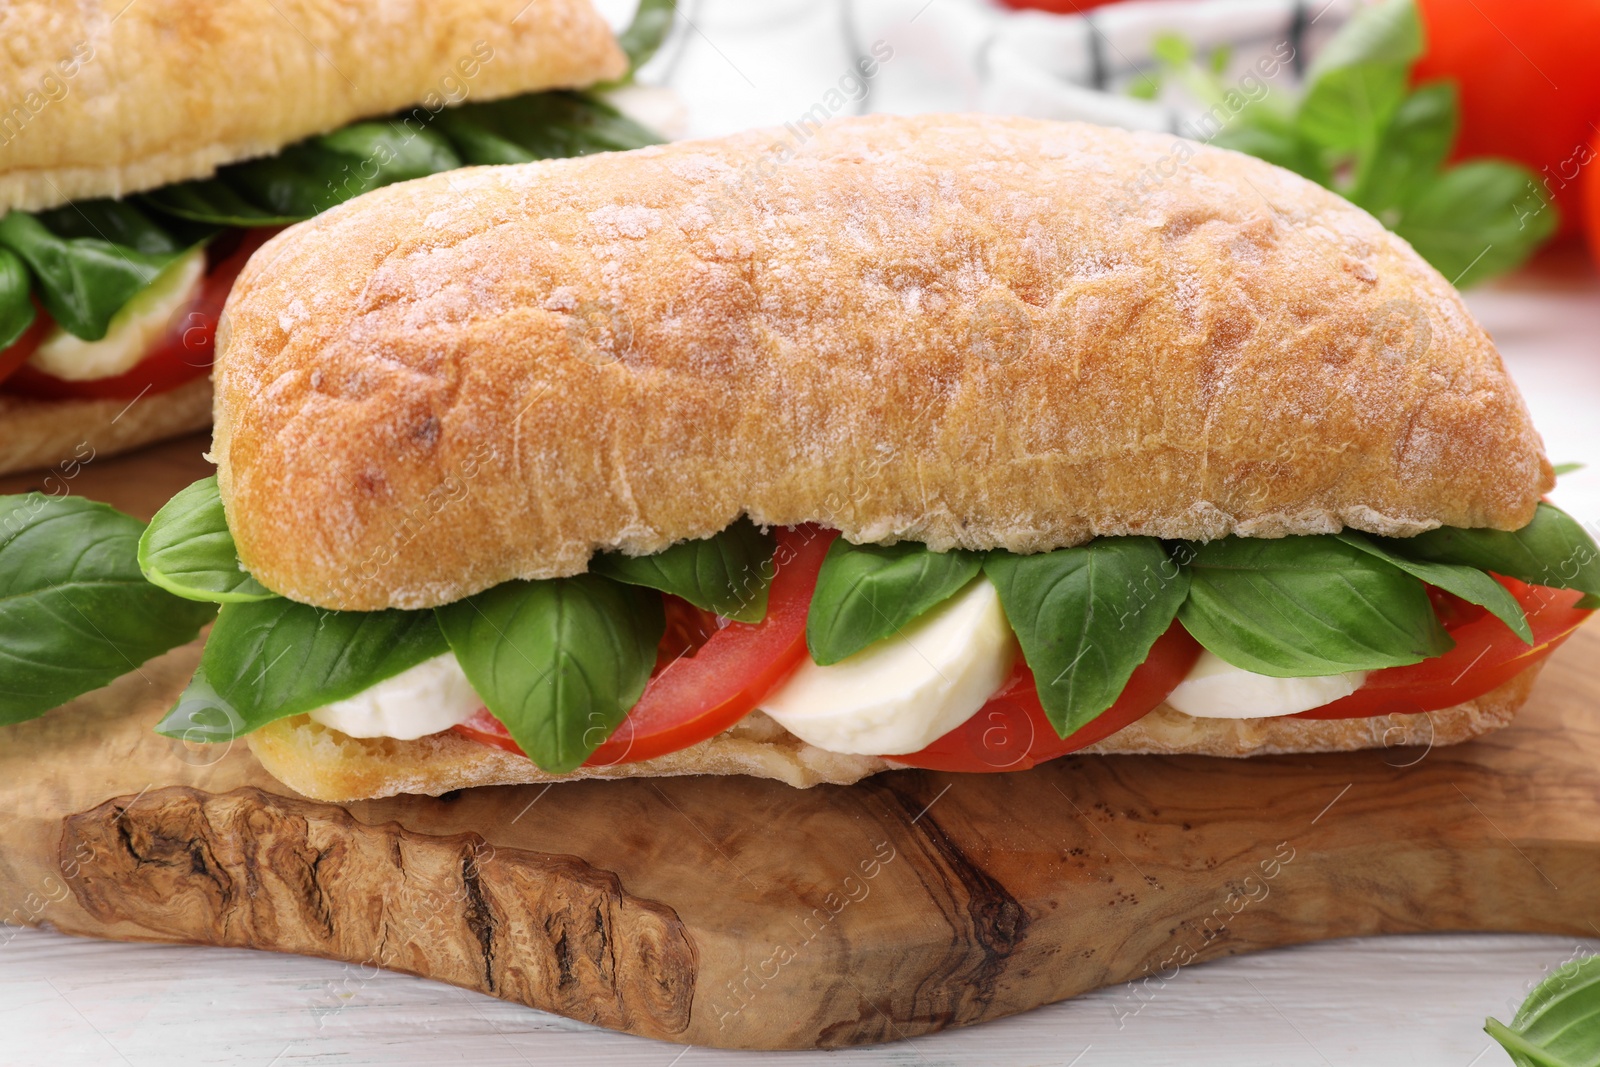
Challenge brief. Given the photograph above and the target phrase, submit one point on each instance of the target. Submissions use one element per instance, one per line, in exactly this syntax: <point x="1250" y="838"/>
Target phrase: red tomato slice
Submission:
<point x="184" y="354"/>
<point x="701" y="693"/>
<point x="1011" y="732"/>
<point x="1486" y="656"/>
<point x="16" y="354"/>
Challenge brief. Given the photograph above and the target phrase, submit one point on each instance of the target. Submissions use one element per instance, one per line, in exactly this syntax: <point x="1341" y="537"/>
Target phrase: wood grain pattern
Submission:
<point x="736" y="912"/>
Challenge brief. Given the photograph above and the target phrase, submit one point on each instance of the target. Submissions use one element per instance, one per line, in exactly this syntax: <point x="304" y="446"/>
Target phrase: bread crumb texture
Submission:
<point x="963" y="330"/>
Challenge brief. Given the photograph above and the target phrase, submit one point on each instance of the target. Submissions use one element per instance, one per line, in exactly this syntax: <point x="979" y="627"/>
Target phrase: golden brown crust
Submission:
<point x="325" y="764"/>
<point x="957" y="330"/>
<point x="50" y="433"/>
<point x="105" y="98"/>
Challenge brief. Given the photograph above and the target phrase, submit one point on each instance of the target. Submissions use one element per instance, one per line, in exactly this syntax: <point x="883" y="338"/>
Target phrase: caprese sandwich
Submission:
<point x="902" y="446"/>
<point x="121" y="236"/>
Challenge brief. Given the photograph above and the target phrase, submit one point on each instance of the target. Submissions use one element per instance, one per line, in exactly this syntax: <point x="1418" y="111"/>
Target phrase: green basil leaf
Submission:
<point x="16" y="307"/>
<point x="1478" y="220"/>
<point x="1468" y="583"/>
<point x="1086" y="618"/>
<point x="1411" y="149"/>
<point x="555" y="125"/>
<point x="1265" y="137"/>
<point x="868" y="592"/>
<point x="1562" y="469"/>
<point x="560" y="662"/>
<point x="81" y="281"/>
<point x="652" y="21"/>
<point x="1294" y="607"/>
<point x="188" y="550"/>
<point x="117" y="221"/>
<point x="1553" y="550"/>
<point x="268" y="660"/>
<point x="75" y="613"/>
<point x="1357" y="81"/>
<point x="1558" y="1023"/>
<point x="214" y="201"/>
<point x="728" y="574"/>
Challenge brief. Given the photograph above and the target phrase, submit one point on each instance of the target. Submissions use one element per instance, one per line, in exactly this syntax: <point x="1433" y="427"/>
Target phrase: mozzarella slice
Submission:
<point x="432" y="696"/>
<point x="1216" y="689"/>
<point x="134" y="330"/>
<point x="898" y="695"/>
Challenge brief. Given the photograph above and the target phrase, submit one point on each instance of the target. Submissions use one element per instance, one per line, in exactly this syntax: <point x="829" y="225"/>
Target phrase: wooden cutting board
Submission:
<point x="734" y="912"/>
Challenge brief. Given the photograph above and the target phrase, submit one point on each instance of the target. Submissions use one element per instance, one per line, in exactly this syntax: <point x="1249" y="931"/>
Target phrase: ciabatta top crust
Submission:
<point x="968" y="331"/>
<point x="107" y="97"/>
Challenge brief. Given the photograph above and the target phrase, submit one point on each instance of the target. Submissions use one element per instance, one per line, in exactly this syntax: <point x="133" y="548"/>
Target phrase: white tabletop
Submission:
<point x="1412" y="1001"/>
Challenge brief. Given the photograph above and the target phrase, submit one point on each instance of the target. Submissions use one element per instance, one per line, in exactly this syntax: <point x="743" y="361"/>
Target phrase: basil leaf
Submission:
<point x="1359" y="78"/>
<point x="1557" y="1024"/>
<point x="16" y="307"/>
<point x="1553" y="550"/>
<point x="520" y="129"/>
<point x="1468" y="583"/>
<point x="116" y="221"/>
<point x="275" y="658"/>
<point x="1294" y="607"/>
<point x="728" y="574"/>
<point x="1086" y="618"/>
<point x="81" y="281"/>
<point x="1563" y="469"/>
<point x="560" y="662"/>
<point x="652" y="21"/>
<point x="1475" y="220"/>
<point x="214" y="201"/>
<point x="868" y="592"/>
<point x="1411" y="149"/>
<point x="187" y="549"/>
<point x="75" y="613"/>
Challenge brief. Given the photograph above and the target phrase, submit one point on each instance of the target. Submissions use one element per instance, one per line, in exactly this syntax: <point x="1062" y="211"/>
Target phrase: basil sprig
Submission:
<point x="560" y="662"/>
<point x="1360" y="129"/>
<point x="16" y="307"/>
<point x="1304" y="606"/>
<point x="1557" y="1024"/>
<point x="188" y="550"/>
<point x="75" y="613"/>
<point x="1086" y="618"/>
<point x="729" y="573"/>
<point x="866" y="593"/>
<point x="267" y="660"/>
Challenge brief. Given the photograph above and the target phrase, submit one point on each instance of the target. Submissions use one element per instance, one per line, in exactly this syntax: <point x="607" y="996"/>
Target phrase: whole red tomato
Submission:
<point x="1529" y="82"/>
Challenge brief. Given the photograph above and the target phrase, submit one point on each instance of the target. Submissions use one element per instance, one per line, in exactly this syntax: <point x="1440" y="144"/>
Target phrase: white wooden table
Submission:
<point x="1413" y="1001"/>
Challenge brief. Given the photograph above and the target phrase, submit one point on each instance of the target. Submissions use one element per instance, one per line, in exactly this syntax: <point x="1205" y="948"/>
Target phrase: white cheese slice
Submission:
<point x="432" y="696"/>
<point x="905" y="691"/>
<point x="1216" y="689"/>
<point x="134" y="330"/>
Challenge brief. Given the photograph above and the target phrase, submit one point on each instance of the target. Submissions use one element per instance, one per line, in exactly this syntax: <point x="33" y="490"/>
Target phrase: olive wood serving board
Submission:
<point x="742" y="913"/>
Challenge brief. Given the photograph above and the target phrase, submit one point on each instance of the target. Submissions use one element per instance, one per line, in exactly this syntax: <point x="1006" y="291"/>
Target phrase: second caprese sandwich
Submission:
<point x="907" y="445"/>
<point x="121" y="236"/>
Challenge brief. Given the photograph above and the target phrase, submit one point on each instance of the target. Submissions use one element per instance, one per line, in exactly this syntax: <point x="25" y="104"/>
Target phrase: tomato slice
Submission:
<point x="1011" y="732"/>
<point x="1486" y="656"/>
<point x="184" y="354"/>
<point x="16" y="354"/>
<point x="706" y="689"/>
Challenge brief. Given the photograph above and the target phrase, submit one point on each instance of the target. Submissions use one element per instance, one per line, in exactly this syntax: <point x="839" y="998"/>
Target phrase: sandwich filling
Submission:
<point x="111" y="299"/>
<point x="957" y="660"/>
